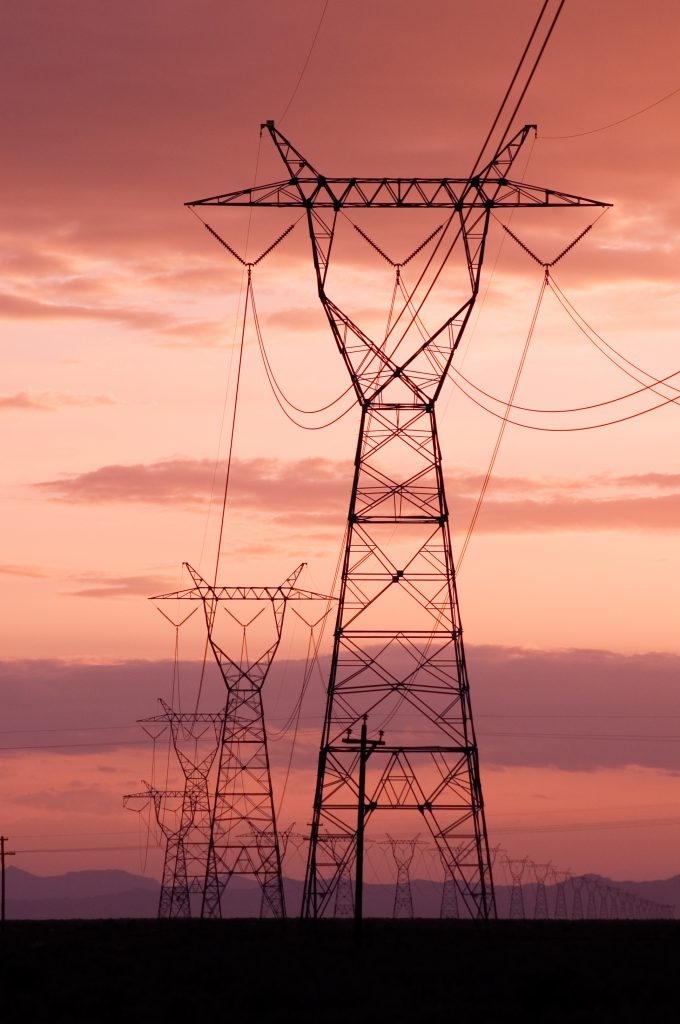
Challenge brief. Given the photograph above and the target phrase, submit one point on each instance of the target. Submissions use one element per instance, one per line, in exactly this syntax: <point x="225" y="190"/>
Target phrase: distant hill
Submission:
<point x="80" y="894"/>
<point x="115" y="894"/>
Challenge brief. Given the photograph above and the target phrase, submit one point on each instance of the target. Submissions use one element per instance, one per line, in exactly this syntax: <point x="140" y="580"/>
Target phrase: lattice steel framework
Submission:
<point x="243" y="836"/>
<point x="398" y="648"/>
<point x="403" y="851"/>
<point x="516" y="868"/>
<point x="173" y="813"/>
<point x="541" y="872"/>
<point x="196" y="740"/>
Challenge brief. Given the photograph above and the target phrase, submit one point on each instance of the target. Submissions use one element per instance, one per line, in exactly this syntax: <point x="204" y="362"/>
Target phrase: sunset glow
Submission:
<point x="122" y="317"/>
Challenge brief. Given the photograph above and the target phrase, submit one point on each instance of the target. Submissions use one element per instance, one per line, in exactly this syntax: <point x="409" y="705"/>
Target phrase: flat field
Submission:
<point x="244" y="971"/>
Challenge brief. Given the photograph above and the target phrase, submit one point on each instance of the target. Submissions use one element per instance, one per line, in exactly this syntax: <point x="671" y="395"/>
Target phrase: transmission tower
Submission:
<point x="195" y="739"/>
<point x="577" y="885"/>
<point x="243" y="836"/>
<point x="541" y="872"/>
<point x="403" y="851"/>
<point x="264" y="842"/>
<point x="592" y="889"/>
<point x="398" y="647"/>
<point x="516" y="869"/>
<point x="173" y="816"/>
<point x="560" y="878"/>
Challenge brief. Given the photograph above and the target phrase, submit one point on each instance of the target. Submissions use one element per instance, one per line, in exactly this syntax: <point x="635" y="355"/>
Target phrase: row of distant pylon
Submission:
<point x="221" y="822"/>
<point x="542" y="891"/>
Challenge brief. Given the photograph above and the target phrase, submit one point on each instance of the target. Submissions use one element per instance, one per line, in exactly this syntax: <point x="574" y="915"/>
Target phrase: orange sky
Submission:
<point x="120" y="315"/>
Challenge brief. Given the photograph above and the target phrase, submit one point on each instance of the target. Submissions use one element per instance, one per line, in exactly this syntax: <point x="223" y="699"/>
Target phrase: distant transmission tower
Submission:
<point x="403" y="851"/>
<point x="541" y="872"/>
<point x="516" y="869"/>
<point x="243" y="836"/>
<point x="561" y="878"/>
<point x="173" y="816"/>
<point x="577" y="885"/>
<point x="196" y="740"/>
<point x="398" y="649"/>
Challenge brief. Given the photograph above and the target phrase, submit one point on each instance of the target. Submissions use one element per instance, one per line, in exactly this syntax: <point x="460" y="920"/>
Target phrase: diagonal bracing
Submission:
<point x="243" y="837"/>
<point x="398" y="656"/>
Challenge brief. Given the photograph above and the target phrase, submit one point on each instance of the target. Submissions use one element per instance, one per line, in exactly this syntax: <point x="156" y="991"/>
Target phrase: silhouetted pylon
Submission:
<point x="403" y="851"/>
<point x="516" y="869"/>
<point x="577" y="886"/>
<point x="398" y="651"/>
<point x="172" y="814"/>
<point x="196" y="739"/>
<point x="541" y="872"/>
<point x="243" y="834"/>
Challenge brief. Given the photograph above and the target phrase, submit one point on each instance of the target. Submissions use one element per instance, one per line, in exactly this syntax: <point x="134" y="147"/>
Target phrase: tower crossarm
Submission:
<point x="375" y="372"/>
<point x="398" y="193"/>
<point x="308" y="188"/>
<point x="185" y="718"/>
<point x="204" y="591"/>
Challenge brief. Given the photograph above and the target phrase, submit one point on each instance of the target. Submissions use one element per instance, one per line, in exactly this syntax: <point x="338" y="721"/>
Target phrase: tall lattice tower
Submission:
<point x="243" y="836"/>
<point x="398" y="653"/>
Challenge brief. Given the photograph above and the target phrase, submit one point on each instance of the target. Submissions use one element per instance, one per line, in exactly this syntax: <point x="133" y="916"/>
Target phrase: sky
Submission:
<point x="121" y="321"/>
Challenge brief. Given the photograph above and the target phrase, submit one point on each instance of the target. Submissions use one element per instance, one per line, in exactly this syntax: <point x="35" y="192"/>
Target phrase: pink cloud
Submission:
<point x="119" y="586"/>
<point x="322" y="487"/>
<point x="19" y="307"/>
<point x="184" y="481"/>
<point x="48" y="402"/>
<point x="578" y="710"/>
<point x="189" y="482"/>
<point x="30" y="571"/>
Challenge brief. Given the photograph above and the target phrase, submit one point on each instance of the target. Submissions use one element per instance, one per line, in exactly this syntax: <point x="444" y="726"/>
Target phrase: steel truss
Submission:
<point x="403" y="851"/>
<point x="243" y="837"/>
<point x="398" y="654"/>
<point x="173" y="813"/>
<point x="196" y="739"/>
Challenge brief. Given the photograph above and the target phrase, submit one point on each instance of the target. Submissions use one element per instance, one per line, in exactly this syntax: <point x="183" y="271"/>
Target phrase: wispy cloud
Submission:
<point x="578" y="710"/>
<point x="47" y="401"/>
<point x="321" y="487"/>
<point x="189" y="482"/>
<point x="22" y="307"/>
<point x="99" y="585"/>
<point x="29" y="571"/>
<point x="185" y="482"/>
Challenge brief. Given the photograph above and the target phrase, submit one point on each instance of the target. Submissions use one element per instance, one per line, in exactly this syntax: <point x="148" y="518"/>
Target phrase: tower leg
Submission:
<point x="398" y="657"/>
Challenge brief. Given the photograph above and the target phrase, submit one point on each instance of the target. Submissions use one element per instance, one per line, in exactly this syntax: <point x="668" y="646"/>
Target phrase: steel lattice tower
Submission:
<point x="540" y="896"/>
<point x="243" y="836"/>
<point x="403" y="851"/>
<point x="516" y="869"/>
<point x="195" y="739"/>
<point x="174" y="895"/>
<point x="398" y="647"/>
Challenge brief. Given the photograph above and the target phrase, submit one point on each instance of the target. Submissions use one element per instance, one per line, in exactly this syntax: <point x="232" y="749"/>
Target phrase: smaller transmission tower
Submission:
<point x="243" y="835"/>
<point x="403" y="851"/>
<point x="516" y="869"/>
<point x="577" y="884"/>
<point x="561" y="878"/>
<point x="195" y="739"/>
<point x="264" y="841"/>
<point x="541" y="872"/>
<point x="171" y="816"/>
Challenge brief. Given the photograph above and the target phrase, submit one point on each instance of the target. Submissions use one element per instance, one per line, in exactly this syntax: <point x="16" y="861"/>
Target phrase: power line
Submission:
<point x="306" y="61"/>
<point x="613" y="124"/>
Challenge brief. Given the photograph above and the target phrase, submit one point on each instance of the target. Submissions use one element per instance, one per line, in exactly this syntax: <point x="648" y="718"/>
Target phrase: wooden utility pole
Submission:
<point x="366" y="748"/>
<point x="3" y="853"/>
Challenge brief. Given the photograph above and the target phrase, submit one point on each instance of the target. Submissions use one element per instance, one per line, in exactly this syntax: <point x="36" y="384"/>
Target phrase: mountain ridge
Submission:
<point x="114" y="893"/>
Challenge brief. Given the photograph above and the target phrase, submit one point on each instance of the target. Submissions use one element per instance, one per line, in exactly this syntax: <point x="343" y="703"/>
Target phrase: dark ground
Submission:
<point x="251" y="971"/>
